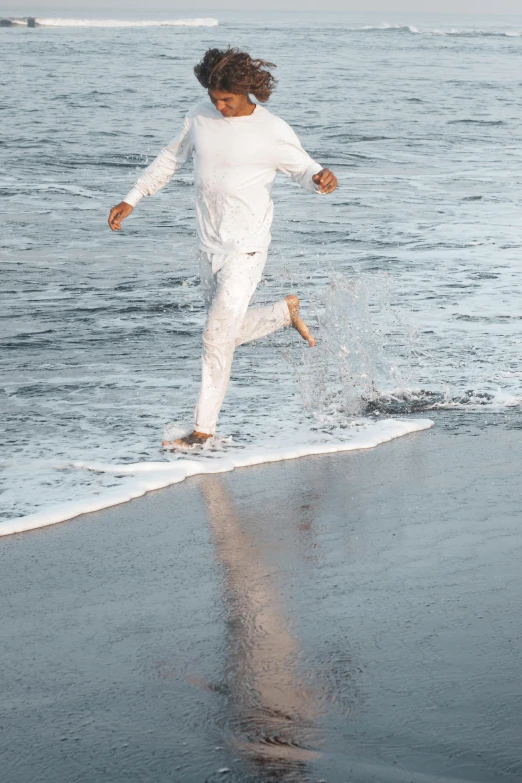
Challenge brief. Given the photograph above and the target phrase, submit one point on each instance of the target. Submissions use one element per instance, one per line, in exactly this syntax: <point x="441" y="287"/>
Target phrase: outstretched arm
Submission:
<point x="293" y="161"/>
<point x="155" y="176"/>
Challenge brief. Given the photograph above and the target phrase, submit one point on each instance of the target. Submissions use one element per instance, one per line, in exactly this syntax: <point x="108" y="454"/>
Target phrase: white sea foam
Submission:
<point x="198" y="22"/>
<point x="148" y="476"/>
<point x="496" y="400"/>
<point x="478" y="400"/>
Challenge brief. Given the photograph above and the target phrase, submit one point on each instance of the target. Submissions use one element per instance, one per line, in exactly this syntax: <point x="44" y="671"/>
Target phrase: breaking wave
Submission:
<point x="198" y="22"/>
<point x="388" y="27"/>
<point x="384" y="27"/>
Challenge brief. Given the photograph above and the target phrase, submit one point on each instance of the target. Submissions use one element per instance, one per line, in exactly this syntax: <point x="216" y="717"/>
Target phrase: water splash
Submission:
<point x="370" y="361"/>
<point x="364" y="350"/>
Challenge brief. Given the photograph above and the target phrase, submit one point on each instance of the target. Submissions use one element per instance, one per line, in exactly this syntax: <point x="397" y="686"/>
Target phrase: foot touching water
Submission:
<point x="194" y="439"/>
<point x="296" y="320"/>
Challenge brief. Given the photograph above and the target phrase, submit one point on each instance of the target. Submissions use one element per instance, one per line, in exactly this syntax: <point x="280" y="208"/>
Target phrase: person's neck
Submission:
<point x="246" y="110"/>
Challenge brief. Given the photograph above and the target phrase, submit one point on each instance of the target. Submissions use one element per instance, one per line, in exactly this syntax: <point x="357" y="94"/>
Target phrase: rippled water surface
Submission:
<point x="410" y="272"/>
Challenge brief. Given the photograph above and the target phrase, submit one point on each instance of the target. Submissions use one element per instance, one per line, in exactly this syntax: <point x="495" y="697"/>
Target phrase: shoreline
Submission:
<point x="150" y="476"/>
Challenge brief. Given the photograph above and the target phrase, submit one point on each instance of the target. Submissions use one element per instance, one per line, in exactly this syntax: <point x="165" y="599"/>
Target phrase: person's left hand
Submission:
<point x="326" y="180"/>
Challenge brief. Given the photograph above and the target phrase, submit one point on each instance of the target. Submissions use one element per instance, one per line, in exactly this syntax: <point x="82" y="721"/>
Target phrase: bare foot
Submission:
<point x="296" y="320"/>
<point x="194" y="439"/>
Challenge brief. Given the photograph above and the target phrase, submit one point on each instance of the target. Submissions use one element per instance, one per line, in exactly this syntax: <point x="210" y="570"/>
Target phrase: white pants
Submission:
<point x="228" y="286"/>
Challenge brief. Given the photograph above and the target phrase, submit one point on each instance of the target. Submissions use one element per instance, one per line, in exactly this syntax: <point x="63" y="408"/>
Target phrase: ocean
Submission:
<point x="409" y="273"/>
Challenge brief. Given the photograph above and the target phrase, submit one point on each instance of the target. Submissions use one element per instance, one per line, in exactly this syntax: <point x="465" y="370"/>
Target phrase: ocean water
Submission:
<point x="409" y="273"/>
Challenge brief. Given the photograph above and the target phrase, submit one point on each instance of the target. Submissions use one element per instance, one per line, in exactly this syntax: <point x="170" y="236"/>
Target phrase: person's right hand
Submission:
<point x="119" y="213"/>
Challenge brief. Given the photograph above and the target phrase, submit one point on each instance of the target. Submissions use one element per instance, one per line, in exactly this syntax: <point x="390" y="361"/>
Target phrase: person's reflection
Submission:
<point x="272" y="712"/>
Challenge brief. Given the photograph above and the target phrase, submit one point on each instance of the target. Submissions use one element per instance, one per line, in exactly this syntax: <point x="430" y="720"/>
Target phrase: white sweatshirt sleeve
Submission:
<point x="293" y="161"/>
<point x="160" y="171"/>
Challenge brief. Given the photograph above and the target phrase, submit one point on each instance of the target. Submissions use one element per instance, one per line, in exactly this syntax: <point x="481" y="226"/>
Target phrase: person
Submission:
<point x="237" y="146"/>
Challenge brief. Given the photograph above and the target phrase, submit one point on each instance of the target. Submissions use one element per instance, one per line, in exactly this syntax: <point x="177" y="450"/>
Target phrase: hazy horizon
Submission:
<point x="171" y="8"/>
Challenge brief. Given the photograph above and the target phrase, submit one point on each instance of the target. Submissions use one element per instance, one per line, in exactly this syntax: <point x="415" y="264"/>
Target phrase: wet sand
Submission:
<point x="352" y="618"/>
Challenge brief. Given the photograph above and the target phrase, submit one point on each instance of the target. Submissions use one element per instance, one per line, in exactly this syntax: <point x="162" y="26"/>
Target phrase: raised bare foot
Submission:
<point x="194" y="439"/>
<point x="296" y="320"/>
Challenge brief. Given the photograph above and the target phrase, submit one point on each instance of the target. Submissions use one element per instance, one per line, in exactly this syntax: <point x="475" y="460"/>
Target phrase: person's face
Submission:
<point x="228" y="103"/>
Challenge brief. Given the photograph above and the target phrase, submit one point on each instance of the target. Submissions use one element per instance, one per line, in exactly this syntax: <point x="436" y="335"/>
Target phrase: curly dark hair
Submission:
<point x="232" y="70"/>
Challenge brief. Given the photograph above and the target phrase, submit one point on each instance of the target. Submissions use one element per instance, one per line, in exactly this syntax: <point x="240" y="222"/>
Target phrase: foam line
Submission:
<point x="148" y="476"/>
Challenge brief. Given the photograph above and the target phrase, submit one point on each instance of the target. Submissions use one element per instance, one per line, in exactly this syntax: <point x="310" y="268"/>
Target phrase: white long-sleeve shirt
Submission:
<point x="235" y="163"/>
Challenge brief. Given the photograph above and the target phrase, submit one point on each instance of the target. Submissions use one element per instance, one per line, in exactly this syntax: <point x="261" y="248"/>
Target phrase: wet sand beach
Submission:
<point x="351" y="618"/>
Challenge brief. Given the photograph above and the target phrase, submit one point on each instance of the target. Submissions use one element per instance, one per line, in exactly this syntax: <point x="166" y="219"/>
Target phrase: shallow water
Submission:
<point x="410" y="272"/>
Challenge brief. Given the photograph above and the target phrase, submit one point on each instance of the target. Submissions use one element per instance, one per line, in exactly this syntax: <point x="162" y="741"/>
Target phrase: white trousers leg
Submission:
<point x="230" y="322"/>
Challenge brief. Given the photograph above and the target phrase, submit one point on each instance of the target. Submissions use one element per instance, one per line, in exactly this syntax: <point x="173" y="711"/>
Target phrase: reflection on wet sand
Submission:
<point x="272" y="713"/>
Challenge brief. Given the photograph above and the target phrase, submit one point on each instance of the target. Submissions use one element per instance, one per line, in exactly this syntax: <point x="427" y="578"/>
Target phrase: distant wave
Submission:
<point x="409" y="28"/>
<point x="385" y="27"/>
<point x="199" y="22"/>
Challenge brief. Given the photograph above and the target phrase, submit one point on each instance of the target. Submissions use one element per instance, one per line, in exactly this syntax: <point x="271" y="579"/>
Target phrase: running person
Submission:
<point x="238" y="147"/>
